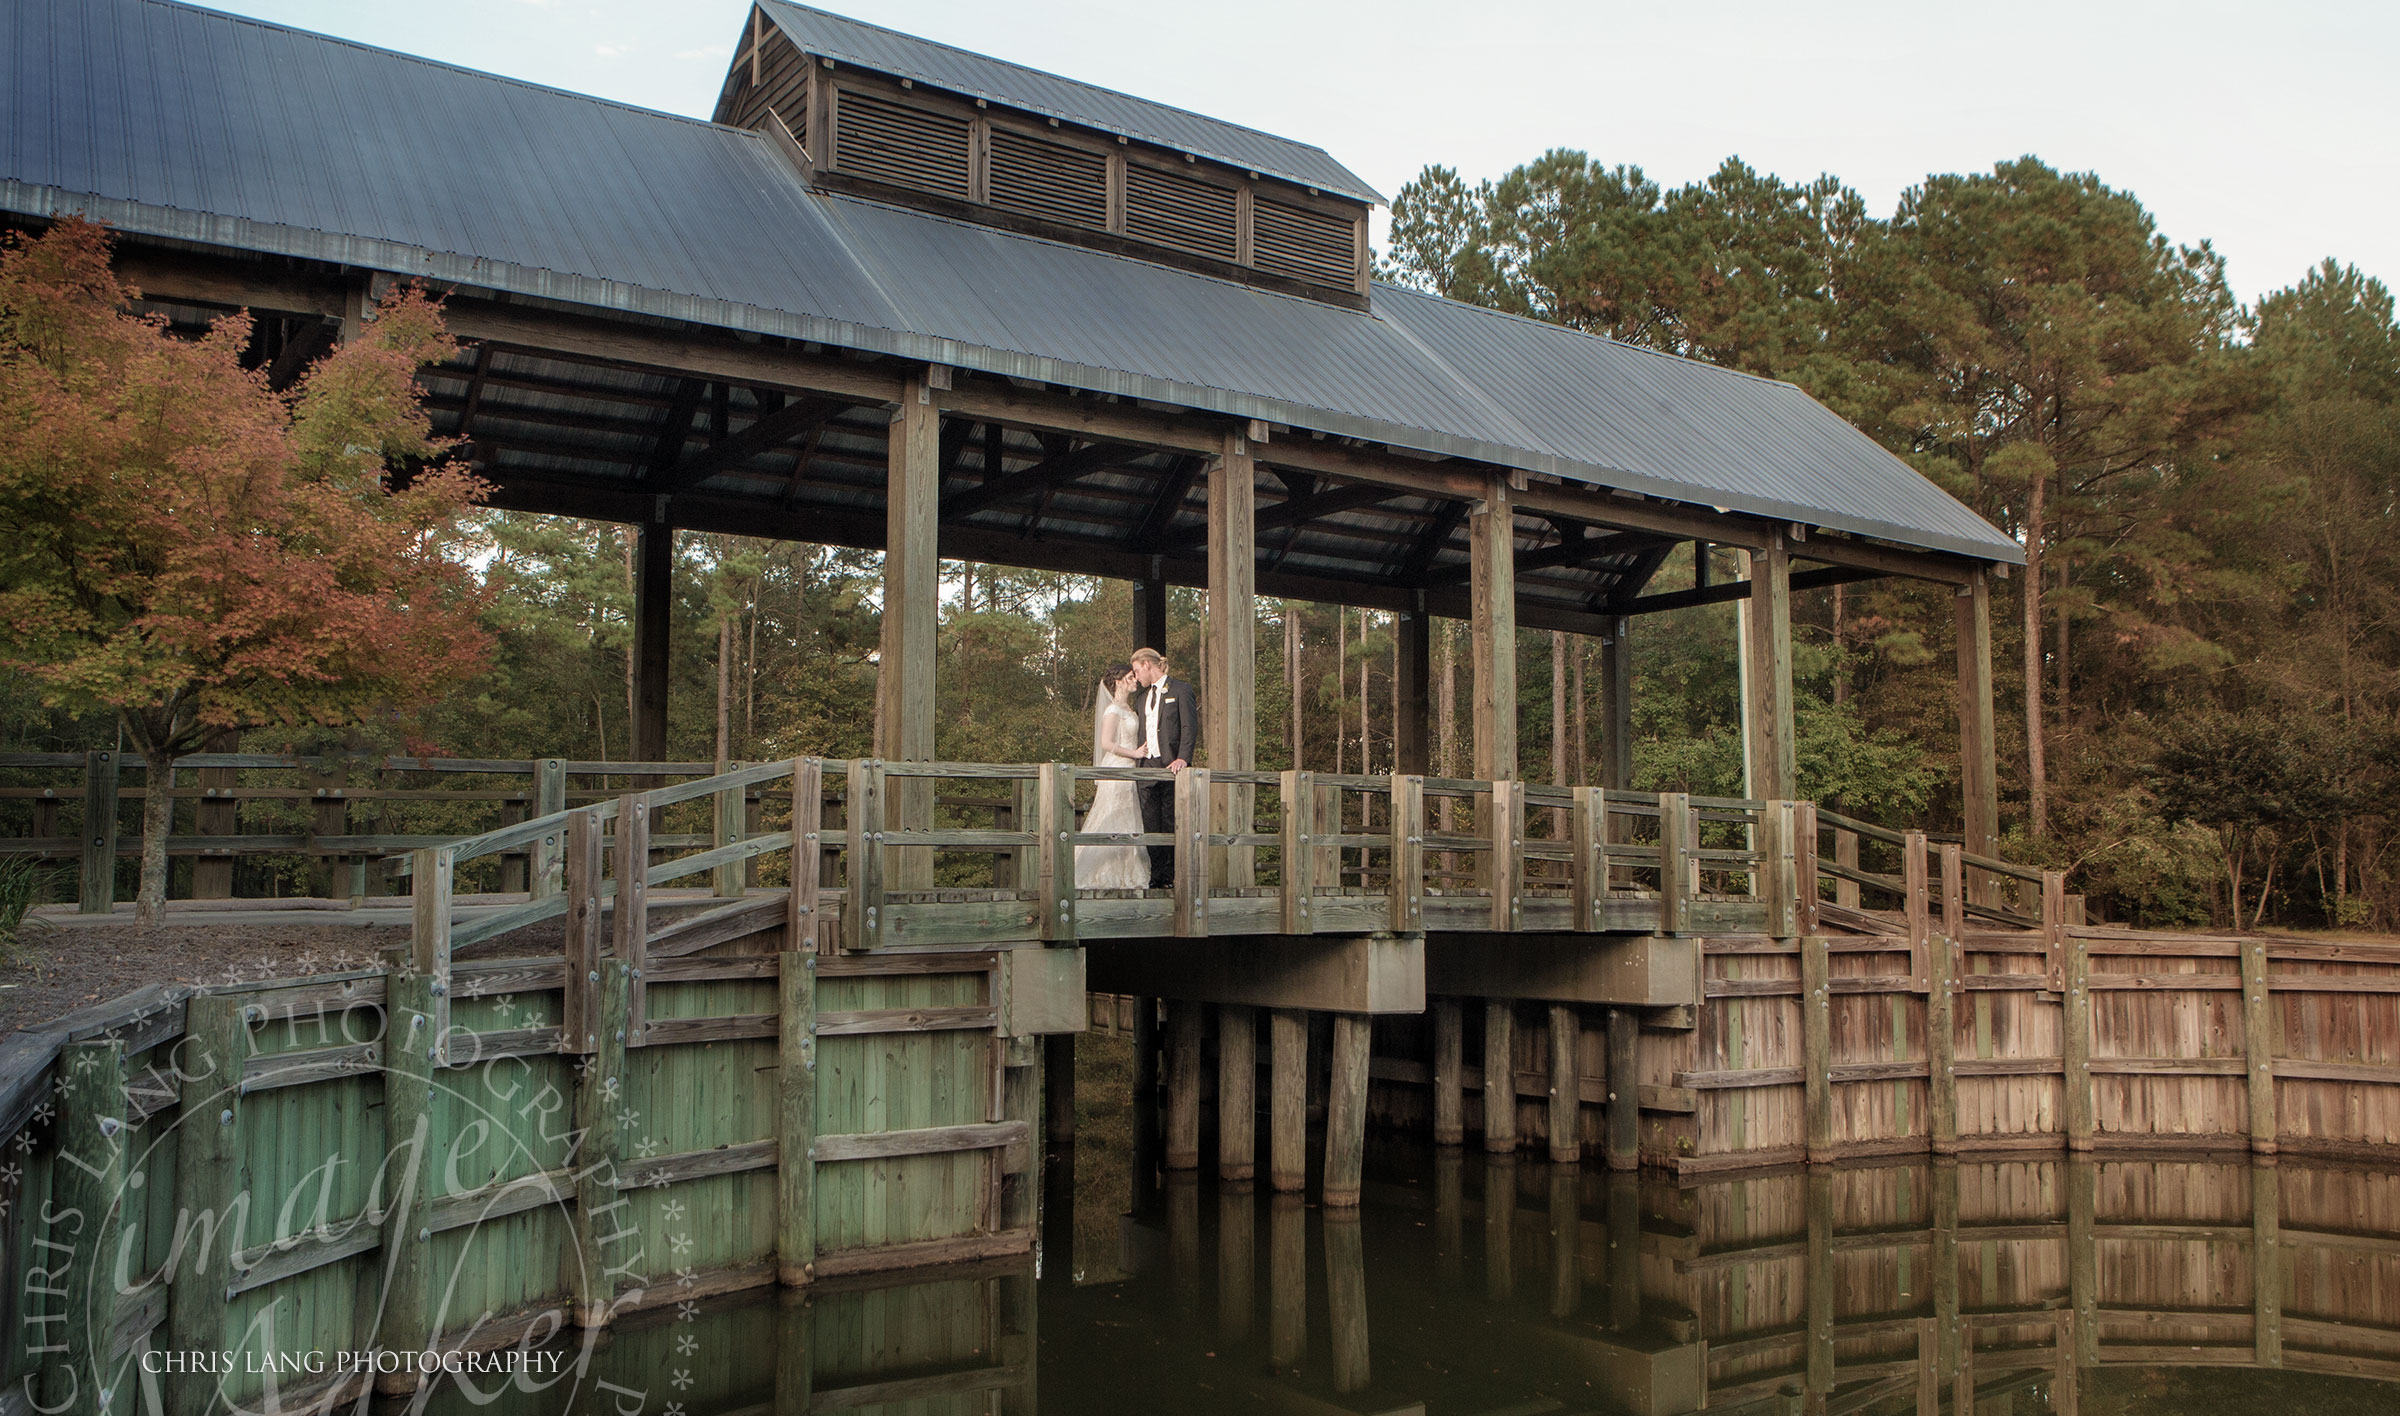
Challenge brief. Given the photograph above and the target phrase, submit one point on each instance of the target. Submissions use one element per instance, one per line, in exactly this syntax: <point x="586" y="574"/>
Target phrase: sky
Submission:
<point x="2269" y="129"/>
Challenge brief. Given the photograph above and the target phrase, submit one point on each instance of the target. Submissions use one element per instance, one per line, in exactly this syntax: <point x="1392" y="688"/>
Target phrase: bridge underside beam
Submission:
<point x="1377" y="973"/>
<point x="1638" y="971"/>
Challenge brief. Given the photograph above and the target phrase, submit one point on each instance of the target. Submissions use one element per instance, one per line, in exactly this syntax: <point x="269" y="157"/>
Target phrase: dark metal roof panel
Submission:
<point x="961" y="71"/>
<point x="187" y="124"/>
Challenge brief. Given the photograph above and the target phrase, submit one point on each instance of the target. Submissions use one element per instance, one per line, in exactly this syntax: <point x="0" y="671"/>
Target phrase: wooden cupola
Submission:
<point x="879" y="114"/>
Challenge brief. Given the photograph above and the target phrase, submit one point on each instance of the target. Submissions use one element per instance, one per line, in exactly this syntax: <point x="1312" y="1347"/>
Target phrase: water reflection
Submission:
<point x="2018" y="1286"/>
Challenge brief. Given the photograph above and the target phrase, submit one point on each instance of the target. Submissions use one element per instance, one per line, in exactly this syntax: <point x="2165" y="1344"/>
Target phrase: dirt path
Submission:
<point x="62" y="967"/>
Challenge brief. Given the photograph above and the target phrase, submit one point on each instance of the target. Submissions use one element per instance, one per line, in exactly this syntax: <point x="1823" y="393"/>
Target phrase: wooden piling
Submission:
<point x="1237" y="1091"/>
<point x="87" y="1192"/>
<point x="796" y="1117"/>
<point x="1449" y="1072"/>
<point x="1499" y="1076"/>
<point x="1816" y="1044"/>
<point x="1183" y="1085"/>
<point x="1507" y="873"/>
<point x="605" y="1237"/>
<point x="1624" y="1089"/>
<point x="208" y="1182"/>
<point x="411" y="1296"/>
<point x="2258" y="1045"/>
<point x="2075" y="1035"/>
<point x="1346" y="1110"/>
<point x="1287" y="1109"/>
<point x="1566" y="1103"/>
<point x="579" y="1000"/>
<point x="1942" y="968"/>
<point x="862" y="896"/>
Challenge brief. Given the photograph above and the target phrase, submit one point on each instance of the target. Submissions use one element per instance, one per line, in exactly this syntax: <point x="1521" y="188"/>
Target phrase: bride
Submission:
<point x="1116" y="742"/>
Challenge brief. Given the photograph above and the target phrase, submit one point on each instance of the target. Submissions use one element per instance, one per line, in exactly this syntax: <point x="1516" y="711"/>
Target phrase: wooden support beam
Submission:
<point x="1950" y="1339"/>
<point x="579" y="1002"/>
<point x="1046" y="475"/>
<point x="1768" y="747"/>
<point x="1507" y="856"/>
<point x="1821" y="1299"/>
<point x="1237" y="1092"/>
<point x="1731" y="590"/>
<point x="1229" y="709"/>
<point x="796" y="1117"/>
<point x="2083" y="1254"/>
<point x="912" y="588"/>
<point x="1449" y="1072"/>
<point x="1678" y="873"/>
<point x="765" y="433"/>
<point x="1589" y="867"/>
<point x="1491" y="538"/>
<point x="1412" y="699"/>
<point x="1346" y="1110"/>
<point x="1616" y="705"/>
<point x="1298" y="510"/>
<point x="1150" y="614"/>
<point x="1287" y="1107"/>
<point x="1566" y="1099"/>
<point x="862" y="897"/>
<point x="1624" y="1089"/>
<point x="1499" y="1060"/>
<point x="653" y="612"/>
<point x="1183" y="1085"/>
<point x="1977" y="740"/>
<point x="1056" y="822"/>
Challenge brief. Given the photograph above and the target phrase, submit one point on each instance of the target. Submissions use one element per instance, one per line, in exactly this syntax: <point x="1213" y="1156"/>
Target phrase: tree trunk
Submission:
<point x="158" y="822"/>
<point x="2037" y="803"/>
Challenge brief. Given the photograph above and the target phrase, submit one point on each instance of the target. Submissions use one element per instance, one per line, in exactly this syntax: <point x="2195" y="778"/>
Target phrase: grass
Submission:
<point x="24" y="883"/>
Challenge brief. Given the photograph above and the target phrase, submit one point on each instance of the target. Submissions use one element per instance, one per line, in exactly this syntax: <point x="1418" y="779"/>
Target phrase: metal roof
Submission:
<point x="960" y="71"/>
<point x="182" y="123"/>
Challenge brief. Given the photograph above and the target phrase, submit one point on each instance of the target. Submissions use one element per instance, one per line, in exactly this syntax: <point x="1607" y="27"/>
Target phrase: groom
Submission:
<point x="1170" y="711"/>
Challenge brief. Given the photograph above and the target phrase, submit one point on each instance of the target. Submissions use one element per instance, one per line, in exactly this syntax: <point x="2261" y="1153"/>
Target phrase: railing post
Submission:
<point x="1779" y="870"/>
<point x="633" y="908"/>
<point x="1845" y="855"/>
<point x="431" y="878"/>
<point x="1021" y="868"/>
<point x="599" y="1096"/>
<point x="1943" y="963"/>
<point x="208" y="1182"/>
<point x="796" y="1118"/>
<point x="1508" y="854"/>
<point x="549" y="799"/>
<point x="862" y="901"/>
<point x="90" y="1186"/>
<point x="1588" y="829"/>
<point x="2258" y="1045"/>
<point x="97" y="887"/>
<point x="729" y="802"/>
<point x="579" y="1008"/>
<point x="1299" y="856"/>
<point x="1805" y="919"/>
<point x="1676" y="876"/>
<point x="1325" y="819"/>
<point x="2075" y="1032"/>
<point x="415" y="1017"/>
<point x="1408" y="854"/>
<point x="1816" y="983"/>
<point x="808" y="834"/>
<point x="1055" y="823"/>
<point x="1916" y="909"/>
<point x="1191" y="852"/>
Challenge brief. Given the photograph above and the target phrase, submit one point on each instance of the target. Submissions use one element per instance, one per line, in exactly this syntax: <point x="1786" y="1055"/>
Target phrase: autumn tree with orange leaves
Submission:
<point x="186" y="546"/>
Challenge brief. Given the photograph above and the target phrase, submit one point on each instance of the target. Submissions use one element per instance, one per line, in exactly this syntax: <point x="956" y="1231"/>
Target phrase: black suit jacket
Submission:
<point x="1178" y="720"/>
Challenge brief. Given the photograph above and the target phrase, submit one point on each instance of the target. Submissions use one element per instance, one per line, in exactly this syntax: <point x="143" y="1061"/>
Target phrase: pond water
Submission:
<point x="1475" y="1284"/>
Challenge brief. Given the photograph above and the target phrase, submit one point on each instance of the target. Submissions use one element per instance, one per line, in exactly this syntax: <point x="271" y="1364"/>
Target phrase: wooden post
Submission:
<point x="1183" y="1085"/>
<point x="1816" y="1044"/>
<point x="607" y="1240"/>
<point x="1616" y="706"/>
<point x="1977" y="742"/>
<point x="1507" y="872"/>
<point x="208" y="1185"/>
<point x="1624" y="1089"/>
<point x="329" y="815"/>
<point x="87" y="1193"/>
<point x="579" y="1002"/>
<point x="2258" y="1045"/>
<point x="862" y="896"/>
<point x="1346" y="1297"/>
<point x="796" y="1117"/>
<point x="1769" y="750"/>
<point x="1677" y="879"/>
<point x="96" y="888"/>
<point x="1806" y="880"/>
<point x="731" y="828"/>
<point x="2054" y="924"/>
<point x="1191" y="852"/>
<point x="1778" y="877"/>
<point x="431" y="879"/>
<point x="1299" y="857"/>
<point x="1499" y="1076"/>
<point x="1916" y="909"/>
<point x="1287" y="1103"/>
<point x="549" y="799"/>
<point x="212" y="876"/>
<point x="2266" y="1263"/>
<point x="653" y="612"/>
<point x="1408" y="854"/>
<point x="632" y="914"/>
<point x="412" y="1295"/>
<point x="808" y="840"/>
<point x="1346" y="1110"/>
<point x="912" y="587"/>
<point x="1449" y="1072"/>
<point x="1412" y="699"/>
<point x="1492" y="620"/>
<point x="1229" y="705"/>
<point x="1845" y="855"/>
<point x="1566" y="1101"/>
<point x="1929" y="1368"/>
<point x="1943" y="963"/>
<point x="1056" y="827"/>
<point x="1588" y="830"/>
<point x="2075" y="1032"/>
<point x="1325" y="819"/>
<point x="1237" y="1091"/>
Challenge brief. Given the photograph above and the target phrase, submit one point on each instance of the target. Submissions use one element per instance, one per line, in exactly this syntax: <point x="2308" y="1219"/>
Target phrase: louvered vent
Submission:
<point x="907" y="147"/>
<point x="1306" y="245"/>
<point x="1178" y="211"/>
<point x="1048" y="180"/>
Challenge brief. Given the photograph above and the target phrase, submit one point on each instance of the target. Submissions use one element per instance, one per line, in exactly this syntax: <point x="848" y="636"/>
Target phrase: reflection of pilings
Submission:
<point x="1183" y="1236"/>
<point x="1499" y="1077"/>
<point x="1346" y="1296"/>
<point x="2083" y="1259"/>
<point x="1820" y="1289"/>
<point x="1499" y="1226"/>
<point x="1237" y="1261"/>
<point x="1449" y="1215"/>
<point x="1346" y="1110"/>
<point x="1287" y="1282"/>
<point x="1624" y="1251"/>
<point x="795" y="1352"/>
<point x="1058" y="1089"/>
<point x="1566" y="1229"/>
<point x="1287" y="1109"/>
<point x="2266" y="1259"/>
<point x="1945" y="1262"/>
<point x="1145" y="1105"/>
<point x="1183" y="1085"/>
<point x="1058" y="1217"/>
<point x="1237" y="1092"/>
<point x="1449" y="1072"/>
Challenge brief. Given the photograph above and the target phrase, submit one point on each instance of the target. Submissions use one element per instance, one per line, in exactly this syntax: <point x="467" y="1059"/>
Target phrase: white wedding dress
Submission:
<point x="1114" y="810"/>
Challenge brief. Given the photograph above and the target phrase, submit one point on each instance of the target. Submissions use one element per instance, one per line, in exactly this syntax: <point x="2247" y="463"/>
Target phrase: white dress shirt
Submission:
<point x="1150" y="718"/>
